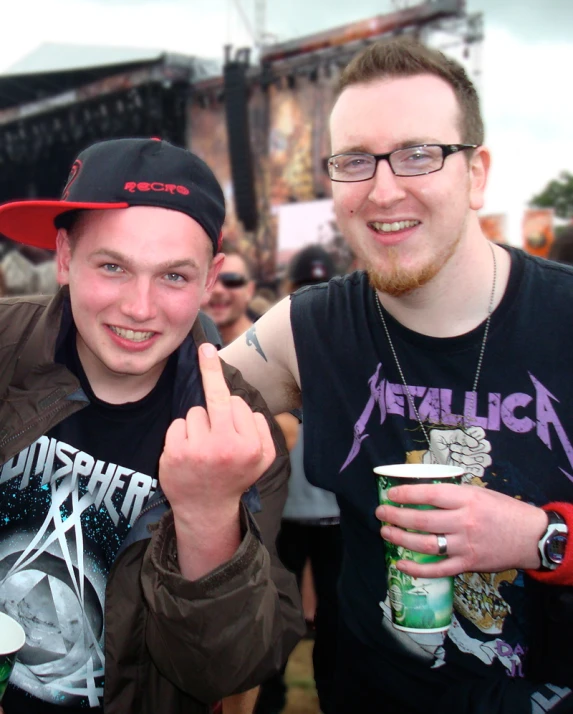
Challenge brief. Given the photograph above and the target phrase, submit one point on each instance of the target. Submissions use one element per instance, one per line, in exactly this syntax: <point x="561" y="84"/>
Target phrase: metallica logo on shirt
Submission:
<point x="64" y="515"/>
<point x="519" y="412"/>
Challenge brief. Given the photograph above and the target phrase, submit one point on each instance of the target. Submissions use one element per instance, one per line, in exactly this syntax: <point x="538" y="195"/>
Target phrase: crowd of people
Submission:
<point x="156" y="518"/>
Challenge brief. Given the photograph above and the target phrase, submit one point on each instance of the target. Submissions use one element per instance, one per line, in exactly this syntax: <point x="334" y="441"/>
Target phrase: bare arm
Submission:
<point x="266" y="357"/>
<point x="290" y="427"/>
<point x="239" y="703"/>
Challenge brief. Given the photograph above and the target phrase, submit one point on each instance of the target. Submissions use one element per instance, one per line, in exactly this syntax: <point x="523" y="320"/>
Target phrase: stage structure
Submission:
<point x="289" y="94"/>
<point x="262" y="126"/>
<point x="46" y="119"/>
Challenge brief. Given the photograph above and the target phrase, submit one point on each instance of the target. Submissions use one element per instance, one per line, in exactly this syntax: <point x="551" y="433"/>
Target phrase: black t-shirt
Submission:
<point x="517" y="441"/>
<point x="66" y="504"/>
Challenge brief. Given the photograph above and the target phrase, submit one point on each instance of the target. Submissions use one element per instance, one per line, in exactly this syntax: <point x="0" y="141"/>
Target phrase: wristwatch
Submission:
<point x="553" y="542"/>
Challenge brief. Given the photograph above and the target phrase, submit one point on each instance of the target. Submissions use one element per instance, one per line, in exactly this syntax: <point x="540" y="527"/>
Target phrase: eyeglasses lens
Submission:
<point x="411" y="161"/>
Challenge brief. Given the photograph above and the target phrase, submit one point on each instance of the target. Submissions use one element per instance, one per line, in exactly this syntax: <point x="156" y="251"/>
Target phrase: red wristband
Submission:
<point x="562" y="575"/>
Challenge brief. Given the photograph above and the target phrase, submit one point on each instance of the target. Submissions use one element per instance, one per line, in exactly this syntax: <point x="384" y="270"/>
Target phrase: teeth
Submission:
<point x="392" y="227"/>
<point x="133" y="335"/>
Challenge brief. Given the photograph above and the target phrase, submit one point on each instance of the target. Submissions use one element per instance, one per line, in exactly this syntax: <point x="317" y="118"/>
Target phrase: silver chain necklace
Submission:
<point x="480" y="358"/>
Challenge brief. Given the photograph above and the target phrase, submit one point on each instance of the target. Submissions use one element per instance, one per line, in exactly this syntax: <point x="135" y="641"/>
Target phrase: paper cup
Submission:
<point x="417" y="604"/>
<point x="12" y="639"/>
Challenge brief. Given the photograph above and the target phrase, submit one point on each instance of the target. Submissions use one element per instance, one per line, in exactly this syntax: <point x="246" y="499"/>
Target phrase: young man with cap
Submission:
<point x="447" y="349"/>
<point x="130" y="462"/>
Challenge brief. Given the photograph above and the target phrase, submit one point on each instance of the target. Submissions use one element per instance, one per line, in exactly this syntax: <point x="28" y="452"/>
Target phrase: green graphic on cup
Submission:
<point x="12" y="639"/>
<point x="417" y="604"/>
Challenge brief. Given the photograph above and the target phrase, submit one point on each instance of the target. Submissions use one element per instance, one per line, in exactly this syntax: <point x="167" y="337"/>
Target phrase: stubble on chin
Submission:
<point x="397" y="281"/>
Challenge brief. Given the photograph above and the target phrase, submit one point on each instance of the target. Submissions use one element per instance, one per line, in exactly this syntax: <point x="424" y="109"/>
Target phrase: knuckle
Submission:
<point x="420" y="521"/>
<point x="226" y="456"/>
<point x="216" y="397"/>
<point x="253" y="450"/>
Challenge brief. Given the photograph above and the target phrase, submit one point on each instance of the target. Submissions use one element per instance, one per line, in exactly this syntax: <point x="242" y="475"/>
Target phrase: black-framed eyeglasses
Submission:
<point x="233" y="280"/>
<point x="411" y="161"/>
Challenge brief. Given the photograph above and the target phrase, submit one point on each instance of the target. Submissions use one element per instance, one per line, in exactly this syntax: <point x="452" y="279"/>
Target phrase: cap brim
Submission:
<point x="32" y="222"/>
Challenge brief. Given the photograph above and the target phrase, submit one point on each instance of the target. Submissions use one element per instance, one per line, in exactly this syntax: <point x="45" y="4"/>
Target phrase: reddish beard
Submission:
<point x="398" y="281"/>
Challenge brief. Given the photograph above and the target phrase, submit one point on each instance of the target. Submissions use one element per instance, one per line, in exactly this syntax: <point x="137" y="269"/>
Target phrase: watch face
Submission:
<point x="555" y="547"/>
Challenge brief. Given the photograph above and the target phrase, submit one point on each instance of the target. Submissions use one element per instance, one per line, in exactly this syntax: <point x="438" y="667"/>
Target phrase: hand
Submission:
<point x="486" y="531"/>
<point x="210" y="458"/>
<point x="243" y="703"/>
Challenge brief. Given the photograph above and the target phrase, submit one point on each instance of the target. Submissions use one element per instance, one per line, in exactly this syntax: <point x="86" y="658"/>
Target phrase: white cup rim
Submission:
<point x="12" y="635"/>
<point x="421" y="471"/>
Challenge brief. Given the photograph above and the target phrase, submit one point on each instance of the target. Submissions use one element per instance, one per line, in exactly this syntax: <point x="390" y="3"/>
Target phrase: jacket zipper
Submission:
<point x="20" y="433"/>
<point x="148" y="508"/>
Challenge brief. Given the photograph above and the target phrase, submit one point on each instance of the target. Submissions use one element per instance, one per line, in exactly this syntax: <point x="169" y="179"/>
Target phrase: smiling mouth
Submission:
<point x="133" y="335"/>
<point x="393" y="227"/>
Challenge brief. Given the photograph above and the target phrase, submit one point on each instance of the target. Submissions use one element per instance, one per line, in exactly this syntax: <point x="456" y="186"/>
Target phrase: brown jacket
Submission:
<point x="172" y="646"/>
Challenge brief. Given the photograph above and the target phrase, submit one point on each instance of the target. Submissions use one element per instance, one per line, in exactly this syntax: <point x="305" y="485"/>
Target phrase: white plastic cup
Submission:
<point x="12" y="639"/>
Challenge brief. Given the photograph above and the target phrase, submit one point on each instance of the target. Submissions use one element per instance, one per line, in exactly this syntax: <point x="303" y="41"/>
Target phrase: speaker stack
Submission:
<point x="242" y="170"/>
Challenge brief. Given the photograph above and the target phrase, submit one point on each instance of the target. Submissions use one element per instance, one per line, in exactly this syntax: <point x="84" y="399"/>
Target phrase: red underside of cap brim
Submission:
<point x="32" y="222"/>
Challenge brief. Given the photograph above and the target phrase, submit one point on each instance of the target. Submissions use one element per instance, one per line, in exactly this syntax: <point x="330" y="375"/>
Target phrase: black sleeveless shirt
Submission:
<point x="517" y="440"/>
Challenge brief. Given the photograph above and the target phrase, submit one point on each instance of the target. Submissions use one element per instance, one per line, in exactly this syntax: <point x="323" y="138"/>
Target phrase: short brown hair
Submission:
<point x="72" y="222"/>
<point x="406" y="57"/>
<point x="229" y="247"/>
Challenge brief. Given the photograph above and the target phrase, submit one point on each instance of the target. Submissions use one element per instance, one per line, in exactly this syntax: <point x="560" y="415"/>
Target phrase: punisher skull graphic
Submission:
<point x="477" y="597"/>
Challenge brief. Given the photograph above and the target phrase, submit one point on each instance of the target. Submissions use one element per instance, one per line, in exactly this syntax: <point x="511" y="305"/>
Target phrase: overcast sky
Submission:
<point x="525" y="63"/>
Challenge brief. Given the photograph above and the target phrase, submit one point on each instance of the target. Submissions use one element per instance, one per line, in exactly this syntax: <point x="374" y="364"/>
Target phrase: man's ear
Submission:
<point x="63" y="256"/>
<point x="213" y="273"/>
<point x="479" y="171"/>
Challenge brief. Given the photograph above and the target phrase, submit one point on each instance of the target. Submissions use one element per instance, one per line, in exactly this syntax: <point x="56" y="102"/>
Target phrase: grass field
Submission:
<point x="301" y="697"/>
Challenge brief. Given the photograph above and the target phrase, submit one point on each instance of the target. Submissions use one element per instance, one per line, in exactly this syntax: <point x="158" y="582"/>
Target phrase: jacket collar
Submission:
<point x="46" y="335"/>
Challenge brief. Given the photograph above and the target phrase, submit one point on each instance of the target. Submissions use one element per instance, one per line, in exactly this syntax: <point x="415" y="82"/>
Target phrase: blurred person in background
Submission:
<point x="24" y="277"/>
<point x="26" y="270"/>
<point x="228" y="304"/>
<point x="561" y="250"/>
<point x="263" y="299"/>
<point x="310" y="530"/>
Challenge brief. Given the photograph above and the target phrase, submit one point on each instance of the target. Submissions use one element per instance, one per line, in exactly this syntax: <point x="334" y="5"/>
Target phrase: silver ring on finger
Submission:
<point x="442" y="544"/>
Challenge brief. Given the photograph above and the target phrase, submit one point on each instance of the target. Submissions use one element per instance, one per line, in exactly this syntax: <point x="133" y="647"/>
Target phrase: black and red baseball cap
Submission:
<point x="312" y="264"/>
<point x="117" y="174"/>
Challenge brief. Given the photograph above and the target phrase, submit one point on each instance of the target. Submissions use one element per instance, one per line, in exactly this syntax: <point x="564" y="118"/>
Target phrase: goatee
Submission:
<point x="397" y="281"/>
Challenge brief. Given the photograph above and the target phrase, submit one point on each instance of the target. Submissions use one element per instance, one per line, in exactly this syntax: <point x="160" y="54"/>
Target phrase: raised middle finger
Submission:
<point x="217" y="394"/>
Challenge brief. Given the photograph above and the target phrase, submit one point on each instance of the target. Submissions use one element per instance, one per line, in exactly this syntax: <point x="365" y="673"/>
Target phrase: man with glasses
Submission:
<point x="443" y="350"/>
<point x="228" y="304"/>
<point x="410" y="161"/>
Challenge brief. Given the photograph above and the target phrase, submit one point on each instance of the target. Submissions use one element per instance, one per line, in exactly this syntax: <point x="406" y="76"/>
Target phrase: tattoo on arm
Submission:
<point x="253" y="340"/>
